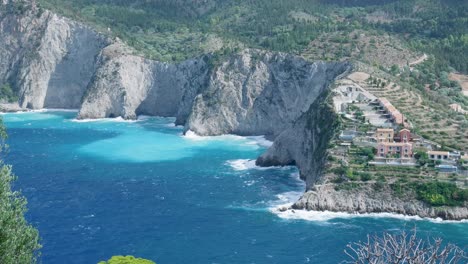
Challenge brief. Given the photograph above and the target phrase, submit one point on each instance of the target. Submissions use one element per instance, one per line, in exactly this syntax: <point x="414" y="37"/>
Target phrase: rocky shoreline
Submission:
<point x="367" y="199"/>
<point x="11" y="108"/>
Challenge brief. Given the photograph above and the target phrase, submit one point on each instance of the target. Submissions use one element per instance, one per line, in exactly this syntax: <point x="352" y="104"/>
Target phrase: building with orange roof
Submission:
<point x="438" y="155"/>
<point x="384" y="135"/>
<point x="405" y="150"/>
<point x="395" y="115"/>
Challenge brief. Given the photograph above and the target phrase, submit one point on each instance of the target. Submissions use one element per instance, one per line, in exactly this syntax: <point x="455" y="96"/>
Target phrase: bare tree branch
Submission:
<point x="404" y="248"/>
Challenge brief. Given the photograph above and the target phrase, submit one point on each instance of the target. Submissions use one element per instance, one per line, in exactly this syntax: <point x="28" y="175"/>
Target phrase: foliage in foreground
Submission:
<point x="19" y="241"/>
<point x="404" y="248"/>
<point x="126" y="260"/>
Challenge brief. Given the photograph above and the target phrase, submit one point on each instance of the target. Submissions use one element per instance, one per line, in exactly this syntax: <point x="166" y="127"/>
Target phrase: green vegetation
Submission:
<point x="7" y="94"/>
<point x="441" y="193"/>
<point x="126" y="260"/>
<point x="19" y="241"/>
<point x="174" y="30"/>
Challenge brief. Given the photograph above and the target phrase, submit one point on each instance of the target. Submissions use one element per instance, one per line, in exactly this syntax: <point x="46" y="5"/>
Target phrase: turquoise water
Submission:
<point x="97" y="189"/>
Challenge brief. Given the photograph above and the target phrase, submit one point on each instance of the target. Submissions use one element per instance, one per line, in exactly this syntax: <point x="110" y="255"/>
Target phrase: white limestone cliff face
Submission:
<point x="127" y="85"/>
<point x="49" y="59"/>
<point x="58" y="73"/>
<point x="259" y="93"/>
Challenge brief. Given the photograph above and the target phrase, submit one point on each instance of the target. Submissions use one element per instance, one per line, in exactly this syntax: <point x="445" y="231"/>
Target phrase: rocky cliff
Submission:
<point x="304" y="144"/>
<point x="127" y="85"/>
<point x="49" y="59"/>
<point x="260" y="93"/>
<point x="368" y="199"/>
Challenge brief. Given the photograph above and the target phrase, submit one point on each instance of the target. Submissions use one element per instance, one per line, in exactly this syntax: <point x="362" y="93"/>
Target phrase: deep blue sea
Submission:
<point x="109" y="187"/>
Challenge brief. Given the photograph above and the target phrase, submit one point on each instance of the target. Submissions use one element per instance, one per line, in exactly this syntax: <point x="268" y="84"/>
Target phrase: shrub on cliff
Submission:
<point x="19" y="241"/>
<point x="441" y="193"/>
<point x="126" y="260"/>
<point x="7" y="94"/>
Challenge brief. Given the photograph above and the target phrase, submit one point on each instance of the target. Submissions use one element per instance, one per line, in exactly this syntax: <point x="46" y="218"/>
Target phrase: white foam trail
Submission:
<point x="261" y="141"/>
<point x="287" y="199"/>
<point x="249" y="164"/>
<point x="144" y="117"/>
<point x="242" y="164"/>
<point x="44" y="110"/>
<point x="57" y="110"/>
<point x="116" y="119"/>
<point x="327" y="215"/>
<point x="194" y="136"/>
<point x="173" y="125"/>
<point x="26" y="111"/>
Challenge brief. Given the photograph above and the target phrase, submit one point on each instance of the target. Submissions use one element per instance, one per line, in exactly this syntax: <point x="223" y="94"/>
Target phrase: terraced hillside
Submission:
<point x="432" y="120"/>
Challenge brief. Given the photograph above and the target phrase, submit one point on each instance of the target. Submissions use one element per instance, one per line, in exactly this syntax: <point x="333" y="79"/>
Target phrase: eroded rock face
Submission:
<point x="127" y="85"/>
<point x="260" y="93"/>
<point x="50" y="59"/>
<point x="304" y="144"/>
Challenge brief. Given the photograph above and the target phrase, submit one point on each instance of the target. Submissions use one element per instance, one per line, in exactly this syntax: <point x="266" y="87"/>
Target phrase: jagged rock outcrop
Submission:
<point x="305" y="143"/>
<point x="260" y="93"/>
<point x="366" y="199"/>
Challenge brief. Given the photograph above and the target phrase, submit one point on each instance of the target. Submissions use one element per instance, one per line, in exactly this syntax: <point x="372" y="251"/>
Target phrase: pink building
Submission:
<point x="404" y="135"/>
<point x="405" y="150"/>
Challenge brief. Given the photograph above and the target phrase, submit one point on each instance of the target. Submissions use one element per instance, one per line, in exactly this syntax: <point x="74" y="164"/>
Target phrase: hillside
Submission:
<point x="168" y="30"/>
<point x="383" y="38"/>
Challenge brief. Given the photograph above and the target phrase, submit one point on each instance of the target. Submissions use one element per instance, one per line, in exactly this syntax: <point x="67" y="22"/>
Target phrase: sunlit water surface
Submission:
<point x="108" y="187"/>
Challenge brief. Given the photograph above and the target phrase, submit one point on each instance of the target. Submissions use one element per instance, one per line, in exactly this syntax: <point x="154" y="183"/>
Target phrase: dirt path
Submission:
<point x="418" y="61"/>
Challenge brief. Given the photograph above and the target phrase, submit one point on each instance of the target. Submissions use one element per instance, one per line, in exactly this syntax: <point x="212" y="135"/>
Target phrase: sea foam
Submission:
<point x="116" y="119"/>
<point x="249" y="164"/>
<point x="327" y="215"/>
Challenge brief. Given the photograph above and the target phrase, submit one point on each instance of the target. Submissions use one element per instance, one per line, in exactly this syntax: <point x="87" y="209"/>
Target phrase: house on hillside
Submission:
<point x="438" y="155"/>
<point x="395" y="116"/>
<point x="404" y="150"/>
<point x="404" y="136"/>
<point x="384" y="135"/>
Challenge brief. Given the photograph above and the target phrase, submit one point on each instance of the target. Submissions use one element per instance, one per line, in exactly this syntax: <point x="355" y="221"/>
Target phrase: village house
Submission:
<point x="438" y="155"/>
<point x="404" y="136"/>
<point x="404" y="150"/>
<point x="384" y="135"/>
<point x="394" y="114"/>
